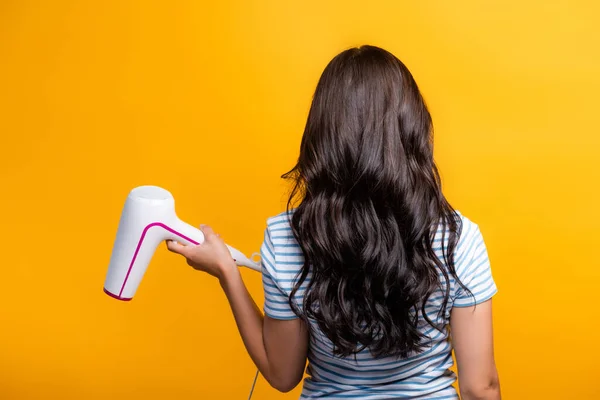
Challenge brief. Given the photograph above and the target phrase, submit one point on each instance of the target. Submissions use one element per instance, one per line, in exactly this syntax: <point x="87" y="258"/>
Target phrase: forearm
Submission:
<point x="249" y="319"/>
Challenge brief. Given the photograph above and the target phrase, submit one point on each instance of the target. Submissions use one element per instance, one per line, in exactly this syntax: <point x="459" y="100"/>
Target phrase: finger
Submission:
<point x="177" y="248"/>
<point x="207" y="230"/>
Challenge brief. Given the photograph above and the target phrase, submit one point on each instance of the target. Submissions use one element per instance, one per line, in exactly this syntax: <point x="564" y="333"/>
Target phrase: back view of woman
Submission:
<point x="371" y="275"/>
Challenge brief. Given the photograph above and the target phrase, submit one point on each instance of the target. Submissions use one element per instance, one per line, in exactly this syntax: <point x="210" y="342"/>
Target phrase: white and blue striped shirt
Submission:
<point x="425" y="375"/>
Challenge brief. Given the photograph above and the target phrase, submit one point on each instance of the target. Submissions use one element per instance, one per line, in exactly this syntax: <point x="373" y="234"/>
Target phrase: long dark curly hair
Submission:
<point x="367" y="203"/>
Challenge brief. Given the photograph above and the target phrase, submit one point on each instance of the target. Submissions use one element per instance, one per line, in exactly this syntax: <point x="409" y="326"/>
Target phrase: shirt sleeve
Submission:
<point x="473" y="269"/>
<point x="276" y="298"/>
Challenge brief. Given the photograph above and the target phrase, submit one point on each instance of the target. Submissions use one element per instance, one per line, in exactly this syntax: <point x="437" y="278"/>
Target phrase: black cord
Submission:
<point x="253" y="385"/>
<point x="252" y="257"/>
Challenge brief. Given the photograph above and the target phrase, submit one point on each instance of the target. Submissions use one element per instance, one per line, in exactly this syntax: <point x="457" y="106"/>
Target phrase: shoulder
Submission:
<point x="473" y="267"/>
<point x="279" y="233"/>
<point x="469" y="240"/>
<point x="280" y="222"/>
<point x="470" y="234"/>
<point x="471" y="249"/>
<point x="282" y="255"/>
<point x="468" y="231"/>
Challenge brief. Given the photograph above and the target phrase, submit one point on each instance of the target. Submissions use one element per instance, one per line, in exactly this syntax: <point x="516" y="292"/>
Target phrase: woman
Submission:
<point x="370" y="272"/>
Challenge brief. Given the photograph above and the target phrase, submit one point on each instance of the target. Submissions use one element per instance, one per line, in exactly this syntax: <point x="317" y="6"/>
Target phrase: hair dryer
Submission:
<point x="149" y="218"/>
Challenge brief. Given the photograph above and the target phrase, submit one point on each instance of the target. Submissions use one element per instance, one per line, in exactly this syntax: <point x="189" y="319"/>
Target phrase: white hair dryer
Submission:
<point x="148" y="219"/>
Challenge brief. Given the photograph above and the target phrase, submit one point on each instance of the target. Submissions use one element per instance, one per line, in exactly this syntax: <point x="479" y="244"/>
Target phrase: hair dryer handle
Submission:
<point x="187" y="234"/>
<point x="241" y="260"/>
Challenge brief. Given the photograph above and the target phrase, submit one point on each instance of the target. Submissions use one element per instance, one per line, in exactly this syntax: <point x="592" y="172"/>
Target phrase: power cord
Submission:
<point x="256" y="258"/>
<point x="253" y="385"/>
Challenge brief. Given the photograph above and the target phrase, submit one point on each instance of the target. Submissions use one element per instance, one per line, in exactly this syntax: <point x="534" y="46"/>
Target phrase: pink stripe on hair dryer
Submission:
<point x="148" y="219"/>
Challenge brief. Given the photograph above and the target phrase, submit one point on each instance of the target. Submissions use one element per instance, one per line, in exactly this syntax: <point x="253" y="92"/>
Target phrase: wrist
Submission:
<point x="229" y="273"/>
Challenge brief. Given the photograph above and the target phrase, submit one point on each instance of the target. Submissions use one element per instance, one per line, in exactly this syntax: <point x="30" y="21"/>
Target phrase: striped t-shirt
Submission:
<point x="425" y="375"/>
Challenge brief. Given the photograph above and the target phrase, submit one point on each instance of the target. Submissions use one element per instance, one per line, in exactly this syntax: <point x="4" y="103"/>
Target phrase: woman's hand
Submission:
<point x="212" y="256"/>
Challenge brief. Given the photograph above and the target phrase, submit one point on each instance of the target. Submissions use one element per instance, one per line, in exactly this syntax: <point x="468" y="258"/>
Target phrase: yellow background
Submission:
<point x="208" y="99"/>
